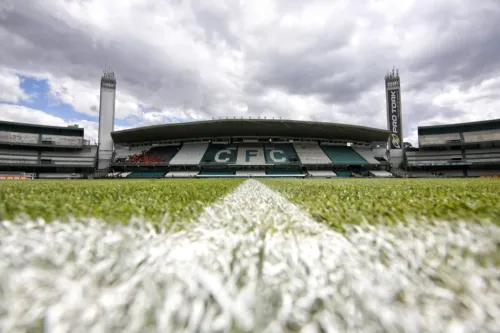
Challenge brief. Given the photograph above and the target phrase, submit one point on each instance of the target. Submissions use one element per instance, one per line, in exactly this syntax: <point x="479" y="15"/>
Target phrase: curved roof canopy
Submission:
<point x="250" y="128"/>
<point x="482" y="125"/>
<point x="44" y="129"/>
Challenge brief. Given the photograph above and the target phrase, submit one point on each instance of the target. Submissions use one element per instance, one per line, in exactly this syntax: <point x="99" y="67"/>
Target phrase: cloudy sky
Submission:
<point x="184" y="60"/>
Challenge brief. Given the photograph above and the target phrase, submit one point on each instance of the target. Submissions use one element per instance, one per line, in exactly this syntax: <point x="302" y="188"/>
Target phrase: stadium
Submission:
<point x="250" y="148"/>
<point x="160" y="228"/>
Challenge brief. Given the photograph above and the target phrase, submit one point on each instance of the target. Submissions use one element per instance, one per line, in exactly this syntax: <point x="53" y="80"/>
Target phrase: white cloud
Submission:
<point x="10" y="88"/>
<point x="320" y="60"/>
<point x="24" y="114"/>
<point x="84" y="97"/>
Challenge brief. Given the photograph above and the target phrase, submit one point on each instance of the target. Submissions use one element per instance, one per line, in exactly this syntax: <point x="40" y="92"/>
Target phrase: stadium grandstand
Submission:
<point x="34" y="151"/>
<point x="456" y="150"/>
<point x="250" y="148"/>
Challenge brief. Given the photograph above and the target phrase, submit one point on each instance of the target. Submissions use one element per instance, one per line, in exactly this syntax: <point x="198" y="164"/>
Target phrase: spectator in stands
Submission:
<point x="144" y="158"/>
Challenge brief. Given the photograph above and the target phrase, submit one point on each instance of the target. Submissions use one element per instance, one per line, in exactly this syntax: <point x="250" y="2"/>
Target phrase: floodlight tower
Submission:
<point x="394" y="116"/>
<point x="106" y="118"/>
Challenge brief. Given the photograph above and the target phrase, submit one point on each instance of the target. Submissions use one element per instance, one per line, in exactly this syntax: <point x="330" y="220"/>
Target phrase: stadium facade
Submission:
<point x="456" y="150"/>
<point x="249" y="147"/>
<point x="36" y="151"/>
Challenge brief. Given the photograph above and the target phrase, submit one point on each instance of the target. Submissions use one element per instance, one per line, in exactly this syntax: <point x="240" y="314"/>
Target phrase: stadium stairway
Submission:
<point x="190" y="154"/>
<point x="343" y="155"/>
<point x="310" y="153"/>
<point x="280" y="154"/>
<point x="366" y="153"/>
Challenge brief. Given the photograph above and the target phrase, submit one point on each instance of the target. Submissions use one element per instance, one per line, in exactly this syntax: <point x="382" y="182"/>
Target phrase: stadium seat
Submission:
<point x="190" y="154"/>
<point x="280" y="154"/>
<point x="12" y="156"/>
<point x="482" y="172"/>
<point x="146" y="174"/>
<point x="482" y="136"/>
<point x="166" y="153"/>
<point x="343" y="155"/>
<point x="426" y="157"/>
<point x="343" y="173"/>
<point x="16" y="175"/>
<point x="250" y="154"/>
<point x="221" y="173"/>
<point x="420" y="174"/>
<point x="321" y="173"/>
<point x="436" y="173"/>
<point x="144" y="158"/>
<point x="367" y="154"/>
<point x="122" y="153"/>
<point x="220" y="154"/>
<point x="60" y="176"/>
<point x="113" y="175"/>
<point x="380" y="154"/>
<point x="285" y="173"/>
<point x="310" y="153"/>
<point x="181" y="174"/>
<point x="438" y="139"/>
<point x="381" y="174"/>
<point x="85" y="157"/>
<point x="250" y="173"/>
<point x="482" y="155"/>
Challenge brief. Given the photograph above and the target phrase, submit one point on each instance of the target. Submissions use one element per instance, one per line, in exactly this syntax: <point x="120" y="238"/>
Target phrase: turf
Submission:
<point x="114" y="201"/>
<point x="338" y="202"/>
<point x="250" y="262"/>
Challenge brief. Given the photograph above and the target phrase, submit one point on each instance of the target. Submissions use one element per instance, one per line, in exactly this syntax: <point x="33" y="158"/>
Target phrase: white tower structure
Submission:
<point x="106" y="119"/>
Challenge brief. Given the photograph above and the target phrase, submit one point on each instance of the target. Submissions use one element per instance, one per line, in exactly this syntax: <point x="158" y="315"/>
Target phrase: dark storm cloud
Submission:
<point x="330" y="71"/>
<point x="463" y="51"/>
<point x="69" y="51"/>
<point x="217" y="22"/>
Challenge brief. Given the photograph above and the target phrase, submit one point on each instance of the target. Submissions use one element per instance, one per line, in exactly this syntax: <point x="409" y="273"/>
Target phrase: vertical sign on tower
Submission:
<point x="106" y="118"/>
<point x="393" y="97"/>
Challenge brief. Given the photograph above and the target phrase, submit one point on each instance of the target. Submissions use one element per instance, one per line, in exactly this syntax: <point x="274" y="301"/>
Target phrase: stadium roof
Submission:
<point x="250" y="128"/>
<point x="8" y="125"/>
<point x="460" y="127"/>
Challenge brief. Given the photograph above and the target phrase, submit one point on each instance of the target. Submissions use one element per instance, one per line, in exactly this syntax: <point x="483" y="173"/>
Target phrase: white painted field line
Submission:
<point x="226" y="272"/>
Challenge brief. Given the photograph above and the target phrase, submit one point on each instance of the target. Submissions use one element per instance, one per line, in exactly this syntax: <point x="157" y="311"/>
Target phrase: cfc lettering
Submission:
<point x="274" y="156"/>
<point x="249" y="154"/>
<point x="218" y="157"/>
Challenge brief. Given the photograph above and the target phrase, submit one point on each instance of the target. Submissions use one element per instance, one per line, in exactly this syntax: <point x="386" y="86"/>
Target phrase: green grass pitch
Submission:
<point x="343" y="201"/>
<point x="236" y="255"/>
<point x="114" y="201"/>
<point x="334" y="202"/>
